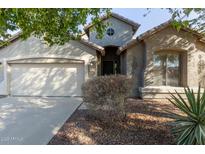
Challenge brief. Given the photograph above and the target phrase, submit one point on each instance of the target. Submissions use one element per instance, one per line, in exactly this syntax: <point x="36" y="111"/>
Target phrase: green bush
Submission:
<point x="105" y="96"/>
<point x="189" y="126"/>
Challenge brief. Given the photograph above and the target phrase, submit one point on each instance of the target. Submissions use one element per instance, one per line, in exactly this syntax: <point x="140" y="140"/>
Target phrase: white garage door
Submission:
<point x="46" y="79"/>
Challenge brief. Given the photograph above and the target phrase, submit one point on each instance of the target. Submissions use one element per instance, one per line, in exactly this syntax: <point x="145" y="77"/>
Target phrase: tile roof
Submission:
<point x="155" y="30"/>
<point x="93" y="45"/>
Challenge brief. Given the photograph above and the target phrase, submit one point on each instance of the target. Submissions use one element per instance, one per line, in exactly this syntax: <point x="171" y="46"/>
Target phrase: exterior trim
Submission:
<point x="163" y="92"/>
<point x="43" y="60"/>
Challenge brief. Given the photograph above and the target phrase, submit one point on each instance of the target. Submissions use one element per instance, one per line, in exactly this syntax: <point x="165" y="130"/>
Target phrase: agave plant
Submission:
<point x="190" y="125"/>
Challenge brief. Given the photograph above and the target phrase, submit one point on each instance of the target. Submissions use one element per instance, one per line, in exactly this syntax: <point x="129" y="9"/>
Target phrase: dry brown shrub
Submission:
<point x="105" y="96"/>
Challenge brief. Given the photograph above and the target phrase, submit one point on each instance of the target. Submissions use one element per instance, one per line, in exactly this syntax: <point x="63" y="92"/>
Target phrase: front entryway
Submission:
<point x="111" y="61"/>
<point x="108" y="67"/>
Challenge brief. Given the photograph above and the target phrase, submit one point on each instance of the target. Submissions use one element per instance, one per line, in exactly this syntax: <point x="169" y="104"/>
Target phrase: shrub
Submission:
<point x="190" y="127"/>
<point x="105" y="96"/>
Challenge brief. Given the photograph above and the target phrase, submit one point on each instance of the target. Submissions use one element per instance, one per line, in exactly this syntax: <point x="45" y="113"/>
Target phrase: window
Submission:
<point x="110" y="32"/>
<point x="166" y="69"/>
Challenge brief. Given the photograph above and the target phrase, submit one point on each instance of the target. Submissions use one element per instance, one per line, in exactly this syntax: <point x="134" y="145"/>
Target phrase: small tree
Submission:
<point x="54" y="25"/>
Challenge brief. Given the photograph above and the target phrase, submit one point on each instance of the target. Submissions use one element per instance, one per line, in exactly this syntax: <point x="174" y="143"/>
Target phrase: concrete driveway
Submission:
<point x="33" y="120"/>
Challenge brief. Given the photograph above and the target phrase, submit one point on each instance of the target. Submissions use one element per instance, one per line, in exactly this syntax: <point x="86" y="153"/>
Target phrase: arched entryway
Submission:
<point x="110" y="63"/>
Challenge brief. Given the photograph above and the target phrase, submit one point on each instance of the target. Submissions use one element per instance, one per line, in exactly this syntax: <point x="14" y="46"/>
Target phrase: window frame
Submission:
<point x="166" y="53"/>
<point x="110" y="31"/>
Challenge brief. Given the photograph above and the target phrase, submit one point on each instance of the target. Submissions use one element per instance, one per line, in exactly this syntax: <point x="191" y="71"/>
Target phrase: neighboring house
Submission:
<point x="159" y="61"/>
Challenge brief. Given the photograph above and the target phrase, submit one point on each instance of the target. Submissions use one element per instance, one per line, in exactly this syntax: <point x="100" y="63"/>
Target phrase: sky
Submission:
<point x="154" y="18"/>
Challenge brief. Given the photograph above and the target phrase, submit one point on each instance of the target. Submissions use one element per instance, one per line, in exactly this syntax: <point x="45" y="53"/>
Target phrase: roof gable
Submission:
<point x="134" y="25"/>
<point x="162" y="27"/>
<point x="157" y="29"/>
<point x="83" y="41"/>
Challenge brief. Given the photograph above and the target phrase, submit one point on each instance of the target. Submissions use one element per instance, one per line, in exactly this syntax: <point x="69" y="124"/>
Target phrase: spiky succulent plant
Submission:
<point x="190" y="125"/>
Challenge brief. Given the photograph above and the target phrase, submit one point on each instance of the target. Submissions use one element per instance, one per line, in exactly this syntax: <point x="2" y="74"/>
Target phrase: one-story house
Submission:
<point x="159" y="61"/>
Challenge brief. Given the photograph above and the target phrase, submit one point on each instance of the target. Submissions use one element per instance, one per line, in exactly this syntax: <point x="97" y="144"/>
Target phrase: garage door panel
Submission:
<point x="46" y="79"/>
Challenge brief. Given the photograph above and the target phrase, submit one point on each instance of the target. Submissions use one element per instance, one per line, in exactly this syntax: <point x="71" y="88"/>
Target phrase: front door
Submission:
<point x="108" y="67"/>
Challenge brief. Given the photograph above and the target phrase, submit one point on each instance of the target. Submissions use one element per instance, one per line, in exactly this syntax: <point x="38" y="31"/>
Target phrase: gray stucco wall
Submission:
<point x="1" y="73"/>
<point x="170" y="39"/>
<point x="139" y="61"/>
<point x="135" y="66"/>
<point x="34" y="48"/>
<point x="123" y="63"/>
<point x="123" y="33"/>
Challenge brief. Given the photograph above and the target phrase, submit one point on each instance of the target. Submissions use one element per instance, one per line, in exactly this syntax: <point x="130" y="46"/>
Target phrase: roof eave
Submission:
<point x="94" y="46"/>
<point x="90" y="44"/>
<point x="153" y="30"/>
<point x="163" y="26"/>
<point x="13" y="38"/>
<point x="126" y="46"/>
